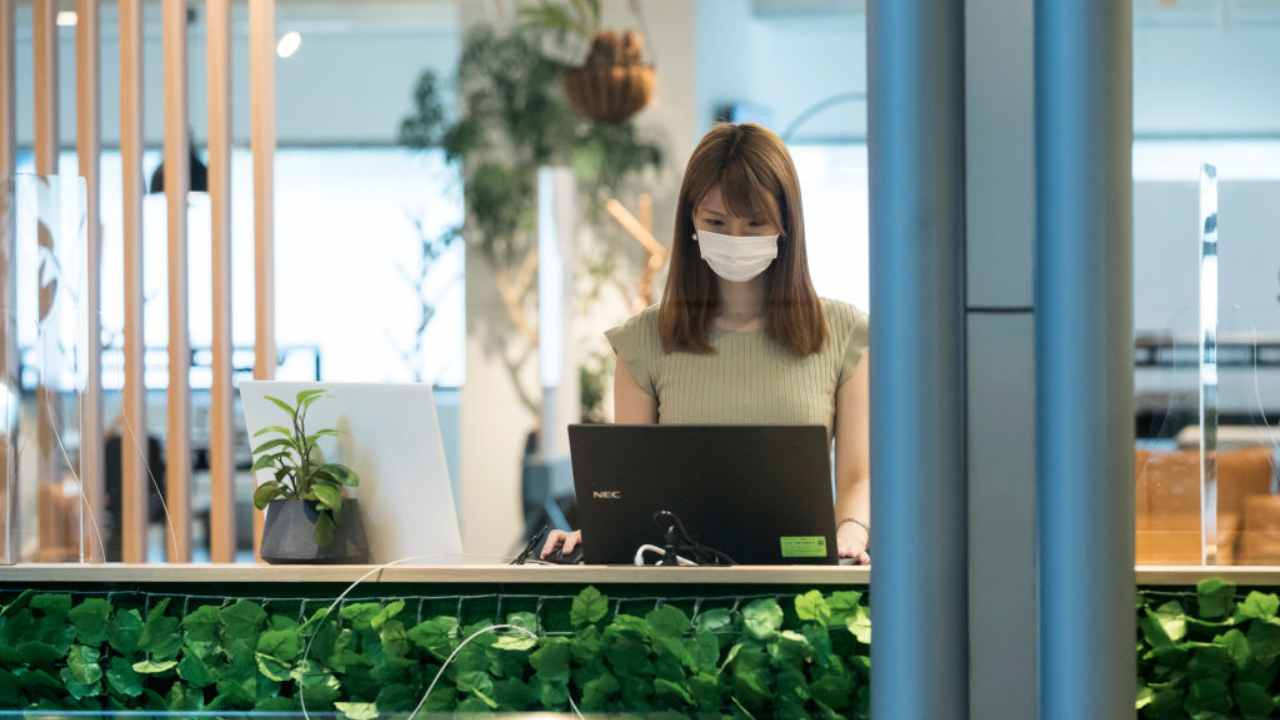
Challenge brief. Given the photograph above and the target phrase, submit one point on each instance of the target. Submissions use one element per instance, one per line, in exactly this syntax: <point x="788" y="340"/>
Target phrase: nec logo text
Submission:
<point x="606" y="494"/>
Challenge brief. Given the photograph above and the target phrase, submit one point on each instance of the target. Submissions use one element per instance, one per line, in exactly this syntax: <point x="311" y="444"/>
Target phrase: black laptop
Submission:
<point x="759" y="494"/>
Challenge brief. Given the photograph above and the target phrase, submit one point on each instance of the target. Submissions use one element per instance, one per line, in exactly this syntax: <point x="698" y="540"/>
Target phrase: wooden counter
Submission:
<point x="571" y="575"/>
<point x="486" y="574"/>
<point x="1189" y="575"/>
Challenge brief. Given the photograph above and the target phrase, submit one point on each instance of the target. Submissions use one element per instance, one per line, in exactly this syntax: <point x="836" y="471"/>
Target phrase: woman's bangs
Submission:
<point x="748" y="194"/>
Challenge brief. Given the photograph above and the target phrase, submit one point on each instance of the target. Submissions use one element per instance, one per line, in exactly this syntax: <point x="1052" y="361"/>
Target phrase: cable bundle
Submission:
<point x="679" y="547"/>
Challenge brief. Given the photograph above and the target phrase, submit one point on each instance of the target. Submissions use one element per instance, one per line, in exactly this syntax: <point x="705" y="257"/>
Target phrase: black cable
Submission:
<point x="678" y="542"/>
<point x="531" y="550"/>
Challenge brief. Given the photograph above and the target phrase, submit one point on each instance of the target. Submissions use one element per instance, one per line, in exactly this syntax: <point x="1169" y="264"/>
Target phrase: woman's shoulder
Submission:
<point x="641" y="328"/>
<point x="644" y="321"/>
<point x="637" y="343"/>
<point x="843" y="316"/>
<point x="648" y="316"/>
<point x="848" y="333"/>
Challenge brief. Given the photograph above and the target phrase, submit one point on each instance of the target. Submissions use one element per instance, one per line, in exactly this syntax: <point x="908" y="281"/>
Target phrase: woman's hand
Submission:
<point x="851" y="539"/>
<point x="556" y="537"/>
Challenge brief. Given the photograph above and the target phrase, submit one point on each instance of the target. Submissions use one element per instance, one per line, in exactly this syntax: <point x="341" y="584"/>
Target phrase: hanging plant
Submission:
<point x="511" y="118"/>
<point x="614" y="82"/>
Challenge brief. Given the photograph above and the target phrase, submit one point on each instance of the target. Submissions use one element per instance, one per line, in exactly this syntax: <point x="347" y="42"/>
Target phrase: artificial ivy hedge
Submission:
<point x="804" y="657"/>
<point x="1211" y="654"/>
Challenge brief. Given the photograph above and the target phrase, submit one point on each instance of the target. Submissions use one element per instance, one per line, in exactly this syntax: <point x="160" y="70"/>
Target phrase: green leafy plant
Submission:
<point x="580" y="18"/>
<point x="300" y="471"/>
<point x="1210" y="654"/>
<point x="511" y="119"/>
<point x="789" y="657"/>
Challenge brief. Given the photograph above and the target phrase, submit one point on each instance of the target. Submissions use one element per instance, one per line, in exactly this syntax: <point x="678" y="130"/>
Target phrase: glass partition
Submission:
<point x="47" y="517"/>
<point x="1207" y="314"/>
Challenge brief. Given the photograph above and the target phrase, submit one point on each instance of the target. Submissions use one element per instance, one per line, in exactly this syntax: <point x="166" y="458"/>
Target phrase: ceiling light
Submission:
<point x="67" y="18"/>
<point x="289" y="44"/>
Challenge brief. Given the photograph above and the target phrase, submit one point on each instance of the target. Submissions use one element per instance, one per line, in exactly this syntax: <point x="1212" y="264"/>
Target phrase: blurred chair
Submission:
<point x="57" y="527"/>
<point x="1260" y="541"/>
<point x="1168" y="505"/>
<point x="113" y="474"/>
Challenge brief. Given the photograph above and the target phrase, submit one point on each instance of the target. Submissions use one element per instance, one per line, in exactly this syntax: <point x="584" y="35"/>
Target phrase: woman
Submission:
<point x="740" y="335"/>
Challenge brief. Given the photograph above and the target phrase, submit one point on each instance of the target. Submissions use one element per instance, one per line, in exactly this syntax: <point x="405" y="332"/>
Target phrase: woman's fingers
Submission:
<point x="860" y="556"/>
<point x="571" y="541"/>
<point x="850" y="551"/>
<point x="555" y="537"/>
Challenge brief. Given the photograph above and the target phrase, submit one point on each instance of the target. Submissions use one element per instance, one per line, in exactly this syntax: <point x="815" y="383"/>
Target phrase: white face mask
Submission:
<point x="737" y="258"/>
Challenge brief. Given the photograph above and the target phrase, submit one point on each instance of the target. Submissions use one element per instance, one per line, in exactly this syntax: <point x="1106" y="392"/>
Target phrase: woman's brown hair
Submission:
<point x="756" y="177"/>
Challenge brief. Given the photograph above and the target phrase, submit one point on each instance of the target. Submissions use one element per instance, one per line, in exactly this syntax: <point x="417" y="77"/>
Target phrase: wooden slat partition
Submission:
<point x="176" y="175"/>
<point x="134" y="480"/>
<point x="221" y="465"/>
<point x="88" y="147"/>
<point x="44" y="44"/>
<point x="53" y="523"/>
<point x="9" y="360"/>
<point x="262" y="99"/>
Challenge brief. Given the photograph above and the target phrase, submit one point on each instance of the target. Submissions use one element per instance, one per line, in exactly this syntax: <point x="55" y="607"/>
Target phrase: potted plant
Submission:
<point x="308" y="518"/>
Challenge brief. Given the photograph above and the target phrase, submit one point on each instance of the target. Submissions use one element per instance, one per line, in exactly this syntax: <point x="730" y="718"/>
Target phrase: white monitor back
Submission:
<point x="390" y="436"/>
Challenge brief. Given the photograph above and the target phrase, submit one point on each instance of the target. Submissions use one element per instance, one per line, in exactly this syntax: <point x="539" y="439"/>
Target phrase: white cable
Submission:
<point x="640" y="551"/>
<point x="84" y="499"/>
<point x="142" y="456"/>
<point x="473" y="636"/>
<point x="306" y="651"/>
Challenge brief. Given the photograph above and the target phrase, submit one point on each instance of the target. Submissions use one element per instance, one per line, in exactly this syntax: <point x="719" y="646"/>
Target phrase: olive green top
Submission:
<point x="750" y="379"/>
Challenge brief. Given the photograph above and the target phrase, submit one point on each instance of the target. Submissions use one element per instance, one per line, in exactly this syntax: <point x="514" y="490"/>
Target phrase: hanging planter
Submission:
<point x="615" y="83"/>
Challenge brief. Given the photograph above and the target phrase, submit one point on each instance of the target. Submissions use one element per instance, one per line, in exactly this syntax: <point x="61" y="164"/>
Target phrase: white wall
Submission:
<point x="782" y="63"/>
<point x="1167" y="286"/>
<point x="1206" y="79"/>
<point x="727" y="68"/>
<point x="1167" y="252"/>
<point x="804" y="60"/>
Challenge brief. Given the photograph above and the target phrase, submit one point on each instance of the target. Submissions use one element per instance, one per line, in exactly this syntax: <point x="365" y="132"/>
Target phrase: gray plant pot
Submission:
<point x="289" y="534"/>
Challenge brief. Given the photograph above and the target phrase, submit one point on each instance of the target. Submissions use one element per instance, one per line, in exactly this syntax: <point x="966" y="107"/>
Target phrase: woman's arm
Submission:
<point x="853" y="467"/>
<point x="631" y="406"/>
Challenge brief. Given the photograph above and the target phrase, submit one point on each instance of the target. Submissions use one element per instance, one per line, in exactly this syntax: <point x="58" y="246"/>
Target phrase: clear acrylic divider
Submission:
<point x="1208" y="339"/>
<point x="45" y="517"/>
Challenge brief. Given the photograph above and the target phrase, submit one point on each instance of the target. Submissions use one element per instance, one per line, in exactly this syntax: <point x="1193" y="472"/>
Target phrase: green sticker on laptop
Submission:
<point x="803" y="546"/>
